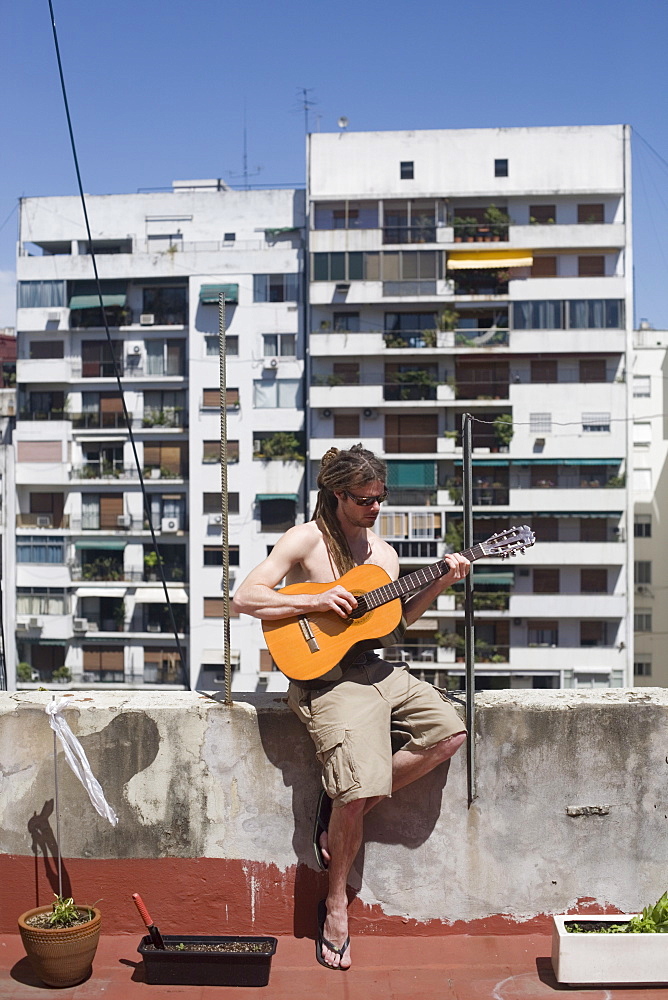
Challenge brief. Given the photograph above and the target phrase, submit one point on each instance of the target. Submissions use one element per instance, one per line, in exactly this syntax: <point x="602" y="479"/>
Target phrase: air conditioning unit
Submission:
<point x="170" y="524"/>
<point x="35" y="623"/>
<point x="147" y="319"/>
<point x="271" y="363"/>
<point x="93" y="627"/>
<point x="123" y="521"/>
<point x="325" y="414"/>
<point x="370" y="414"/>
<point x="22" y="626"/>
<point x="136" y="349"/>
<point x="44" y="520"/>
<point x="215" y="518"/>
<point x="80" y="624"/>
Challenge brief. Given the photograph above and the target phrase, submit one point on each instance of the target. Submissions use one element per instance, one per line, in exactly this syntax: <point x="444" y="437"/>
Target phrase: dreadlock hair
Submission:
<point x="343" y="470"/>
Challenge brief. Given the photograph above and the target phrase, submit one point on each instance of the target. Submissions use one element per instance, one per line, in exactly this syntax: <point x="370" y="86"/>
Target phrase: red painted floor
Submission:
<point x="456" y="967"/>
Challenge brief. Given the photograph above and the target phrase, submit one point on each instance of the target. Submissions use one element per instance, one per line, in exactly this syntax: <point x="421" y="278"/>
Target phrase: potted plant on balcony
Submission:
<point x="504" y="430"/>
<point x="61" y="940"/>
<point x="612" y="948"/>
<point x="498" y="221"/>
<point x="151" y="565"/>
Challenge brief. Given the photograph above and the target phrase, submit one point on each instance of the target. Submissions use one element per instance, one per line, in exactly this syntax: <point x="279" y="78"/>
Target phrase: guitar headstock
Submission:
<point x="509" y="543"/>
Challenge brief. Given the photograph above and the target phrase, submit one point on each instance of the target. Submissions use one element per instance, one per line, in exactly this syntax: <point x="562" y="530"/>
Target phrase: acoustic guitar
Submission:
<point x="305" y="647"/>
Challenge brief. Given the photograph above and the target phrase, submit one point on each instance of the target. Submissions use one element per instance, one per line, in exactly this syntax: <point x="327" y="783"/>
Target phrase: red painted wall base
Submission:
<point x="211" y="896"/>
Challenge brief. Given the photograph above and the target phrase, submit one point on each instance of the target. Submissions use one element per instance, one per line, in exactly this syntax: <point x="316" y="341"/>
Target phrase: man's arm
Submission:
<point x="256" y="595"/>
<point x="417" y="605"/>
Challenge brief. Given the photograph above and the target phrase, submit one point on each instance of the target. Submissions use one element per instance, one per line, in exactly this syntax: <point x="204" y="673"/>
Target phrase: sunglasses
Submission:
<point x="367" y="501"/>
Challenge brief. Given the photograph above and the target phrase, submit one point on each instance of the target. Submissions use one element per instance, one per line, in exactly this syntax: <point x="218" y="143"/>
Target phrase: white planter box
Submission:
<point x="607" y="958"/>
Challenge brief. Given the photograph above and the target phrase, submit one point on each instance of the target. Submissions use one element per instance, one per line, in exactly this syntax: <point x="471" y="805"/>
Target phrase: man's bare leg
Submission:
<point x="342" y="841"/>
<point x="345" y="838"/>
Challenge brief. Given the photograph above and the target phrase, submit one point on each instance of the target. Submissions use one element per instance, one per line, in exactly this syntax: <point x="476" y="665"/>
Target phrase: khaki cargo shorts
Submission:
<point x="358" y="722"/>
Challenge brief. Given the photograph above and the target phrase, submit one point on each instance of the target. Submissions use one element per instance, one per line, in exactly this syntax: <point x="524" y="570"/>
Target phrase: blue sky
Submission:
<point x="157" y="91"/>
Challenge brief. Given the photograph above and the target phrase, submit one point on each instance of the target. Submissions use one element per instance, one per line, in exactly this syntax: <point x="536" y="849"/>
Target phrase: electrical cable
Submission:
<point x="117" y="374"/>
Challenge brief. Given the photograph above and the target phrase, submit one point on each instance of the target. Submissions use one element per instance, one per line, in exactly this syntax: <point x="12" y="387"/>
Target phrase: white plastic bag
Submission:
<point x="76" y="758"/>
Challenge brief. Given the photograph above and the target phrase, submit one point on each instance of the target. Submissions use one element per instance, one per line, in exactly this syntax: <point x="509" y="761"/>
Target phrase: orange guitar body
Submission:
<point x="288" y="641"/>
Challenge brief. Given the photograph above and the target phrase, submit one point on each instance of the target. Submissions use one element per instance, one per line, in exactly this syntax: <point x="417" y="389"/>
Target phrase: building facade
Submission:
<point x="485" y="272"/>
<point x="650" y="494"/>
<point x="90" y="602"/>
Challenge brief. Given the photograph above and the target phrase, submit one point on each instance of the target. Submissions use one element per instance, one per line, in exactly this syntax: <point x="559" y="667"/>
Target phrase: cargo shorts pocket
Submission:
<point x="333" y="750"/>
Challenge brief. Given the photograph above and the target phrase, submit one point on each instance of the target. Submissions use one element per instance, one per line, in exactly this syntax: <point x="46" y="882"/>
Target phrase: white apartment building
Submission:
<point x="90" y="606"/>
<point x="486" y="271"/>
<point x="650" y="495"/>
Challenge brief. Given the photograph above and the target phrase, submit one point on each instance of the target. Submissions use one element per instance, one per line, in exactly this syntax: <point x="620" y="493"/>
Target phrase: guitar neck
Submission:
<point x="414" y="581"/>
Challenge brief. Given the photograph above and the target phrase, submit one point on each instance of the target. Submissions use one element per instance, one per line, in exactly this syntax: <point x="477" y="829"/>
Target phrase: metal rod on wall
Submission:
<point x="224" y="506"/>
<point x="469" y="639"/>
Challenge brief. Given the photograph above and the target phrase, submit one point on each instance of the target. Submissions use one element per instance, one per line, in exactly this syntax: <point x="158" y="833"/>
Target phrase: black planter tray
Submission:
<point x="206" y="968"/>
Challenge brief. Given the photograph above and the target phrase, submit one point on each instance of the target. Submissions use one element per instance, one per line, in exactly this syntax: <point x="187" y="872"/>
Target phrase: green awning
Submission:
<point x="93" y="301"/>
<point x="407" y="475"/>
<point x="503" y="579"/>
<point x="209" y="294"/>
<point x="277" y="496"/>
<point x="116" y="544"/>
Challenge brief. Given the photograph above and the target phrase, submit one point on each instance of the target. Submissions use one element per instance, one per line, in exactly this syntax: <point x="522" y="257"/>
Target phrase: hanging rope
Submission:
<point x="224" y="505"/>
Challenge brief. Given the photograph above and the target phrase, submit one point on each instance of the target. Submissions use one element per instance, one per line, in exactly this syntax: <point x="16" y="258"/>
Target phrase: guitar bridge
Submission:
<point x="307" y="632"/>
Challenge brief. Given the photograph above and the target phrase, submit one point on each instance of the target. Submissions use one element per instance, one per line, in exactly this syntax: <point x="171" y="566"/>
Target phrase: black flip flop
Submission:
<point x="322" y="815"/>
<point x="322" y="940"/>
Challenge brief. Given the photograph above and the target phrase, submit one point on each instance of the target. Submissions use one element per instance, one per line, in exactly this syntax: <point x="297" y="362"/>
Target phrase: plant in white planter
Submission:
<point x="612" y="948"/>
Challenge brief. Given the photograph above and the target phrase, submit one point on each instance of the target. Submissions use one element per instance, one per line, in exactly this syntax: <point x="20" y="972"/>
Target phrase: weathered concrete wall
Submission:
<point x="216" y="810"/>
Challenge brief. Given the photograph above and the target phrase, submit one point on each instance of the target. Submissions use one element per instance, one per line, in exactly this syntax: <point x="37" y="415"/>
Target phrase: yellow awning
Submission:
<point x="478" y="259"/>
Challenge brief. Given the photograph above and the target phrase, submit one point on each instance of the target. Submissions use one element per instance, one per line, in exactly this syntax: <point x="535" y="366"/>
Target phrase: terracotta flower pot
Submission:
<point x="61" y="956"/>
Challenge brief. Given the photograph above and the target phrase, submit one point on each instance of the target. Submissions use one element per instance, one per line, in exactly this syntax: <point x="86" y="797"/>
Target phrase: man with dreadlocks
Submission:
<point x="358" y="713"/>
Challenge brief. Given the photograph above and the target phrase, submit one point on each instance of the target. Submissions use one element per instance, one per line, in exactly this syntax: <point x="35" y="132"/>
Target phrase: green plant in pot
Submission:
<point x="61" y="940"/>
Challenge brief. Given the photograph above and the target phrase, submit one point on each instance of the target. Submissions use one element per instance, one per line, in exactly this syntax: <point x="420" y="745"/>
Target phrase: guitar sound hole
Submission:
<point x="360" y="611"/>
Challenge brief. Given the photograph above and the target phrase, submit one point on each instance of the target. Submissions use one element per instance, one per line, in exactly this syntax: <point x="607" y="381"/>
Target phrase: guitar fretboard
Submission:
<point x="412" y="581"/>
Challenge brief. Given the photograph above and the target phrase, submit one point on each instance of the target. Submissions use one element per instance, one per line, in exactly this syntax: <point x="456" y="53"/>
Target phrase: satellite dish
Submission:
<point x="343" y="122"/>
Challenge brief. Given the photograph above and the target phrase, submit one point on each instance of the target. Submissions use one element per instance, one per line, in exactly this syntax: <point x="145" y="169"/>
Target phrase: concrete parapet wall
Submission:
<point x="216" y="805"/>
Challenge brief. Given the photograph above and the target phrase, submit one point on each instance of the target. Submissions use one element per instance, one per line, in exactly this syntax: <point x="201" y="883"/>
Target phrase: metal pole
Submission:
<point x="469" y="639"/>
<point x="224" y="524"/>
<point x="57" y="806"/>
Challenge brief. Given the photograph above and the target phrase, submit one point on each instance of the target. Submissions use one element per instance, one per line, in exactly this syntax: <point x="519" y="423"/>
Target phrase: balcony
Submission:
<point x="97" y="470"/>
<point x="420" y="232"/>
<point x="172" y="417"/>
<point x="99" y="421"/>
<point x="47" y="522"/>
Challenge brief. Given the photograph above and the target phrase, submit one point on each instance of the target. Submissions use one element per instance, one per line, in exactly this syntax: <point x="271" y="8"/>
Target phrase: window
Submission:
<point x="500" y="168"/>
<point x="162" y="408"/>
<point x="544" y="370"/>
<point x="229" y="237"/>
<point x="545" y="581"/>
<point x="595" y="314"/>
<point x="543" y="633"/>
<point x="168" y="306"/>
<point x="642" y="668"/>
<point x="544" y="267"/>
<point x="347" y="322"/>
<point x="642" y="480"/>
<point x="592" y="529"/>
<point x="593" y="633"/>
<point x="275" y="287"/>
<point x="345" y="215"/>
<point x="406" y="170"/>
<point x="213" y="347"/>
<point x="169" y="458"/>
<point x="539" y="315"/>
<point x="642" y="571"/>
<point x="164" y="357"/>
<point x="642" y="526"/>
<point x="346" y="425"/>
<point x="589" y="213"/>
<point x="281" y="393"/>
<point x="40" y="601"/>
<point x="411" y="432"/>
<point x="211" y="503"/>
<point x="48" y="349"/>
<point x="211" y="399"/>
<point x="592" y="370"/>
<point x="214" y="607"/>
<point x="591" y="266"/>
<point x="213" y="555"/>
<point x="346" y="373"/>
<point x="593" y="581"/>
<point x="266" y="662"/>
<point x="542" y="215"/>
<point x="41" y="294"/>
<point x="642" y="621"/>
<point x="277" y="514"/>
<point x="103" y="664"/>
<point x="211" y="452"/>
<point x="596" y="422"/>
<point x="642" y="434"/>
<point x="283" y="345"/>
<point x="40" y="550"/>
<point x="540" y="423"/>
<point x="642" y="386"/>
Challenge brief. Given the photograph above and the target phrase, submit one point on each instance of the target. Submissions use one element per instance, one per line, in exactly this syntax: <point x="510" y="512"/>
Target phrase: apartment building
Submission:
<point x="650" y="496"/>
<point x="485" y="271"/>
<point x="90" y="605"/>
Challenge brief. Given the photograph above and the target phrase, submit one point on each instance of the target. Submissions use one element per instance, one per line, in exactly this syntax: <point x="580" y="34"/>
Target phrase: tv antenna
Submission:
<point x="244" y="159"/>
<point x="307" y="104"/>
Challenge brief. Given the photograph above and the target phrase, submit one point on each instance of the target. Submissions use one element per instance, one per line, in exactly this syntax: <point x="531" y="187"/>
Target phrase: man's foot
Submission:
<point x="320" y="839"/>
<point x="332" y="929"/>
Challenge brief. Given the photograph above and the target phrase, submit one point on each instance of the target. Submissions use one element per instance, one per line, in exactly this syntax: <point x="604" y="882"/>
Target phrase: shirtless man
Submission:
<point x="352" y="712"/>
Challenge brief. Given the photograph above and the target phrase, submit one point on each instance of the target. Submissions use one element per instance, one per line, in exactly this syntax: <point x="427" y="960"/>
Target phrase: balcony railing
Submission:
<point x="492" y="337"/>
<point x="400" y="288"/>
<point x="94" y="470"/>
<point x="46" y="521"/>
<point x="415" y="550"/>
<point x="164" y="418"/>
<point x="418" y="653"/>
<point x="98" y="421"/>
<point x="420" y="233"/>
<point x="484" y="600"/>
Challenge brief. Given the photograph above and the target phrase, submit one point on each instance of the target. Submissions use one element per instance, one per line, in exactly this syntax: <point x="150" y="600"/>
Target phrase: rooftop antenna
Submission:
<point x="244" y="159"/>
<point x="307" y="104"/>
